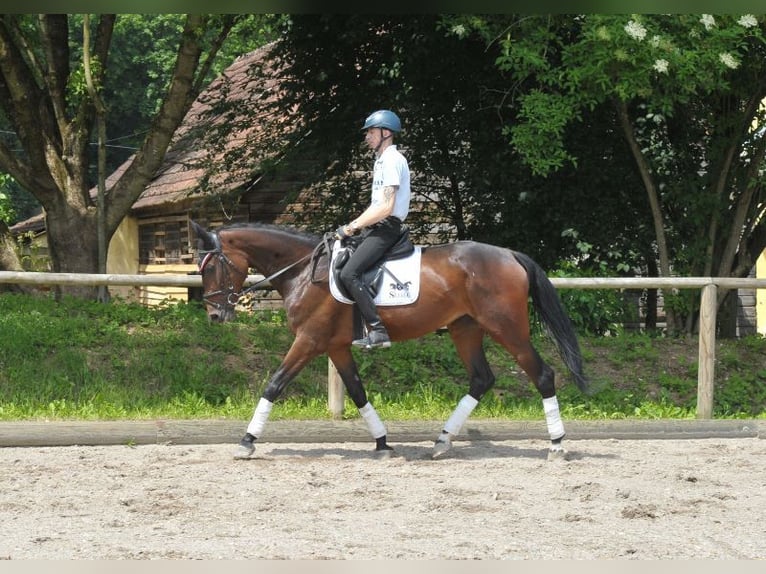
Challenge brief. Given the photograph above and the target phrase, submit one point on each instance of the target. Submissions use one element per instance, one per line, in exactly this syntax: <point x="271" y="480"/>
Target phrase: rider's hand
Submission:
<point x="341" y="233"/>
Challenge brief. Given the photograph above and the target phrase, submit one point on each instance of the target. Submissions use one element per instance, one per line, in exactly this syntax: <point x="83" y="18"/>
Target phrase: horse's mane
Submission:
<point x="280" y="229"/>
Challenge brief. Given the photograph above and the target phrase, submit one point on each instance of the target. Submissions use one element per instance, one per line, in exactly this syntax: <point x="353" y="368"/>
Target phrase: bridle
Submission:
<point x="231" y="296"/>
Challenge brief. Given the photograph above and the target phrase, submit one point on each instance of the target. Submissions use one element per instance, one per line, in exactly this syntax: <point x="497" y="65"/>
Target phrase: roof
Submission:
<point x="191" y="158"/>
<point x="244" y="85"/>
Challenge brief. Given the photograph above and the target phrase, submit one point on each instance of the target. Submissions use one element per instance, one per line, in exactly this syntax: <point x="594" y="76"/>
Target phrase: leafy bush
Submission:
<point x="593" y="311"/>
<point x="78" y="359"/>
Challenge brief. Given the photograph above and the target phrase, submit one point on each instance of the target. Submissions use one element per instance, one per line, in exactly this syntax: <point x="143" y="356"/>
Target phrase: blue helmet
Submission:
<point x="383" y="119"/>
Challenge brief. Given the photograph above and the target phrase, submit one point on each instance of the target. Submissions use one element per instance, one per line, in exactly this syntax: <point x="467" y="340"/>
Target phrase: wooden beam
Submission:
<point x="706" y="368"/>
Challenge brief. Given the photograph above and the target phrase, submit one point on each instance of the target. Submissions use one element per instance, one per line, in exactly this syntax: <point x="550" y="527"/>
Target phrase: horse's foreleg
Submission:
<point x="346" y="366"/>
<point x="296" y="358"/>
<point x="467" y="336"/>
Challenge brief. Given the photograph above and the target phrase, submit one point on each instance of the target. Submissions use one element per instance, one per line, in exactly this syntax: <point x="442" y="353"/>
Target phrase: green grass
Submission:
<point x="84" y="360"/>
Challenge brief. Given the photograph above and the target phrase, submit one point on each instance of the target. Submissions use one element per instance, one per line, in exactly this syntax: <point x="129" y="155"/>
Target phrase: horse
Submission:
<point x="474" y="289"/>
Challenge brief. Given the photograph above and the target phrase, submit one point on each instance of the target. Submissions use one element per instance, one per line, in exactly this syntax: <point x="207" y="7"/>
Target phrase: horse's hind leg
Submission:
<point x="543" y="378"/>
<point x="468" y="338"/>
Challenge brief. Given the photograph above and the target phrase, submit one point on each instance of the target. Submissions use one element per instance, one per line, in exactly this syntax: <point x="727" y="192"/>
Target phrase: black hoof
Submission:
<point x="245" y="448"/>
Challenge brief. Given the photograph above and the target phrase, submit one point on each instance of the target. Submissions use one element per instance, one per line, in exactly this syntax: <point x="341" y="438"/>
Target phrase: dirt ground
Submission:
<point x="621" y="499"/>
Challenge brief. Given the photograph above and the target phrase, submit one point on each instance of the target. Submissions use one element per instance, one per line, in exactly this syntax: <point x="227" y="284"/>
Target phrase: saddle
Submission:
<point x="373" y="277"/>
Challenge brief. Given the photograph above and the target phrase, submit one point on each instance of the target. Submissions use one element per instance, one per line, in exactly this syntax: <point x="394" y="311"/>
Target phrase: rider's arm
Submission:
<point x="375" y="212"/>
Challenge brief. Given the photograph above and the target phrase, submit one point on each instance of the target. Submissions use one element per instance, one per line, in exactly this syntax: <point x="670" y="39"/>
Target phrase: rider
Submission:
<point x="381" y="221"/>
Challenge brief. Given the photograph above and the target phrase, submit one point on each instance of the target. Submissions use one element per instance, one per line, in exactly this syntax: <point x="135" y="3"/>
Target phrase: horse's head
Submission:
<point x="223" y="274"/>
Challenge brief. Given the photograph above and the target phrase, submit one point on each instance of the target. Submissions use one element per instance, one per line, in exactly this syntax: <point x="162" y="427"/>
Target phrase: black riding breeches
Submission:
<point x="378" y="239"/>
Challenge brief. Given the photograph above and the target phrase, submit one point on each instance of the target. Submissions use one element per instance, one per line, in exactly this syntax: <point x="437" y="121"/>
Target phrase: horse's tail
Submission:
<point x="550" y="310"/>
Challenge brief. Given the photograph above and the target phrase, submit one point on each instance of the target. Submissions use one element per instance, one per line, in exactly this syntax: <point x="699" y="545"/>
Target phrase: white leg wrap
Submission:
<point x="374" y="424"/>
<point x="260" y="416"/>
<point x="460" y="414"/>
<point x="553" y="418"/>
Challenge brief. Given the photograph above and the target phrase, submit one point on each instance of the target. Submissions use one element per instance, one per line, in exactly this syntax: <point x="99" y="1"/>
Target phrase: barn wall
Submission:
<point x="122" y="257"/>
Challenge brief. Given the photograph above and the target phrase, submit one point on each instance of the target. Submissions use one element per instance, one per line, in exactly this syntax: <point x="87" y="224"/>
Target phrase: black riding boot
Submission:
<point x="377" y="336"/>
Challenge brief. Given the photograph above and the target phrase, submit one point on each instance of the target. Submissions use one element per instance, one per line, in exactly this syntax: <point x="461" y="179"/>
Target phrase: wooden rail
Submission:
<point x="335" y="390"/>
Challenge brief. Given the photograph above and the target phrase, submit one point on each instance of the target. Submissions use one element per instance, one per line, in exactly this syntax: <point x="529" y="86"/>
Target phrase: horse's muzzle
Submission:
<point x="220" y="315"/>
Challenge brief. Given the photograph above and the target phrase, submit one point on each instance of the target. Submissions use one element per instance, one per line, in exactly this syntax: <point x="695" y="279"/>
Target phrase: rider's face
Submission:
<point x="373" y="137"/>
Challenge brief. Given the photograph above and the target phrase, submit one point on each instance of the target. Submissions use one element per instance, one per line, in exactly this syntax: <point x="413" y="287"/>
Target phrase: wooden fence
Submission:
<point x="707" y="323"/>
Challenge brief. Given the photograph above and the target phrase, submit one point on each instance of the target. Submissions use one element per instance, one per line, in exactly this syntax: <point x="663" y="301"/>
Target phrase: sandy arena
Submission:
<point x="620" y="499"/>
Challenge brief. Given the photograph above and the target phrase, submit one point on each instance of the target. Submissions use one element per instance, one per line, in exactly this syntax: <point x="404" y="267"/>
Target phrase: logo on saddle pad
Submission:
<point x="392" y="282"/>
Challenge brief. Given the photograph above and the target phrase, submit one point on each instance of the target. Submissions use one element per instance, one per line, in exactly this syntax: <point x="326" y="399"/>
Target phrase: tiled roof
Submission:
<point x="247" y="79"/>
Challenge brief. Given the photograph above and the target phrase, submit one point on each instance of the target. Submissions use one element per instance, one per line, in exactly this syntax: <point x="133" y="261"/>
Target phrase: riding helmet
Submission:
<point x="383" y="119"/>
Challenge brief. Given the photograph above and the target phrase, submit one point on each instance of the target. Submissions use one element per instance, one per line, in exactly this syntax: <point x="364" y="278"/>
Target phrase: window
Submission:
<point x="163" y="241"/>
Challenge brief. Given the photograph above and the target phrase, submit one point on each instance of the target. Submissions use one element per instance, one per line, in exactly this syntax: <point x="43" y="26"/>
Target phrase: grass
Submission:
<point x="88" y="361"/>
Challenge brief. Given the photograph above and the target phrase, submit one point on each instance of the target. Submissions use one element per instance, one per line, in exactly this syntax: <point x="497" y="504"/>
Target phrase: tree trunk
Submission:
<point x="54" y="133"/>
<point x="654" y="201"/>
<point x="727" y="315"/>
<point x="73" y="248"/>
<point x="103" y="292"/>
<point x="9" y="259"/>
<point x="651" y="297"/>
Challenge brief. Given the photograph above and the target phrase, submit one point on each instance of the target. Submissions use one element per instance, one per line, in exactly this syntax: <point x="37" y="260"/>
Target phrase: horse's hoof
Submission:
<point x="384" y="453"/>
<point x="557" y="454"/>
<point x="244" y="450"/>
<point x="441" y="447"/>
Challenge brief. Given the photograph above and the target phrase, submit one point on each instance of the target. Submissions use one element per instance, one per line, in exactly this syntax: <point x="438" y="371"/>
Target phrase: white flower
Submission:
<point x="661" y="66"/>
<point x="747" y="21"/>
<point x="635" y="30"/>
<point x="459" y="30"/>
<point x="655" y="41"/>
<point x="728" y="60"/>
<point x="708" y="21"/>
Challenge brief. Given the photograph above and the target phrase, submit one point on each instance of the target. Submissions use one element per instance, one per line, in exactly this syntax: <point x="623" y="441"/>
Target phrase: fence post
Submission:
<point x="706" y="370"/>
<point x="335" y="391"/>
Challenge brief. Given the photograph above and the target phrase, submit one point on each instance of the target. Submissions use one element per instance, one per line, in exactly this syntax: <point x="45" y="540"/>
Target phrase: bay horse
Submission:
<point x="474" y="289"/>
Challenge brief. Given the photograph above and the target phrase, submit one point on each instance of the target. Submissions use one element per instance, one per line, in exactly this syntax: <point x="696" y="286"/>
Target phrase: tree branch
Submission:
<point x="228" y="23"/>
<point x="651" y="189"/>
<point x="55" y="43"/>
<point x="20" y="95"/>
<point x="175" y="105"/>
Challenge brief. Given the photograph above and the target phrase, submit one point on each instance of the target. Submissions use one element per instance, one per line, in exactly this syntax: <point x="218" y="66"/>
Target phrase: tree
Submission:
<point x="688" y="92"/>
<point x="142" y="58"/>
<point x="454" y="105"/>
<point x="43" y="96"/>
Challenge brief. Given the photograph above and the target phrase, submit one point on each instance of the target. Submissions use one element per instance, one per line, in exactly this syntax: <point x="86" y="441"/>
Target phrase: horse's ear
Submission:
<point x="205" y="237"/>
<point x="198" y="230"/>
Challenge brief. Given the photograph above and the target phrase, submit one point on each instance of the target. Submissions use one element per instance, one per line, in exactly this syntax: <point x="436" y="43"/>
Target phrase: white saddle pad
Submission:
<point x="401" y="280"/>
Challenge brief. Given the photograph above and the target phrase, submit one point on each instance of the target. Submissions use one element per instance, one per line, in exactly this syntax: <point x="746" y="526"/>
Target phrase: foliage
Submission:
<point x="595" y="311"/>
<point x="81" y="359"/>
<point x="141" y="64"/>
<point x="15" y="202"/>
<point x="687" y="89"/>
<point x="455" y="110"/>
<point x="336" y="76"/>
<point x="6" y="206"/>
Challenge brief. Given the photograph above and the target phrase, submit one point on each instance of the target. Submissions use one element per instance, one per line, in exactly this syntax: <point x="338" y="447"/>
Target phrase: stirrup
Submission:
<point x="376" y="338"/>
